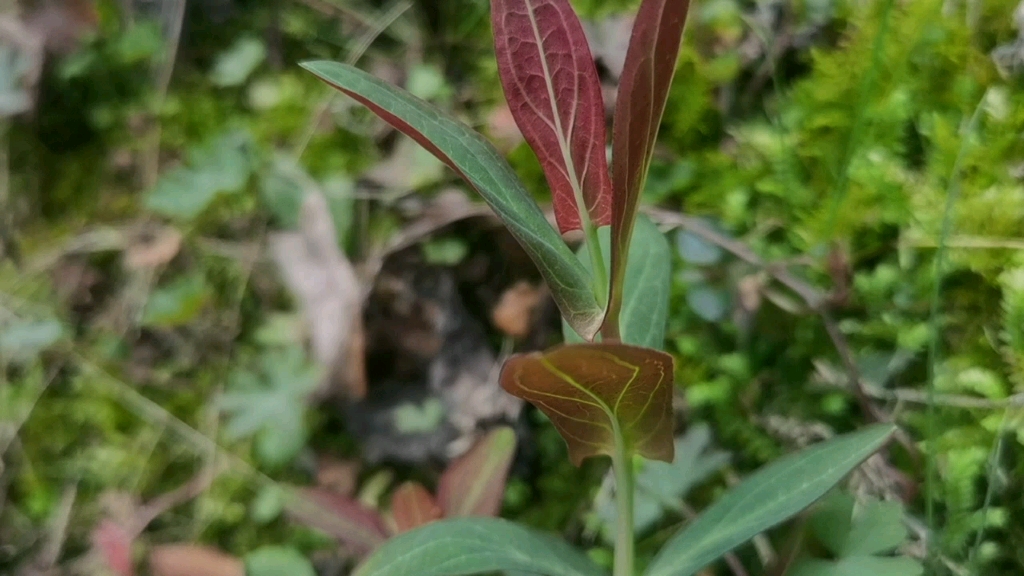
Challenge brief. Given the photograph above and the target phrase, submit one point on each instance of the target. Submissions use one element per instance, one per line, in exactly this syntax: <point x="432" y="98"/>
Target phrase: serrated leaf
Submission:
<point x="643" y="90"/>
<point x="648" y="284"/>
<point x="272" y="405"/>
<point x="474" y="484"/>
<point x="765" y="499"/>
<point x="551" y="84"/>
<point x="412" y="506"/>
<point x="595" y="392"/>
<point x="277" y="561"/>
<point x="476" y="160"/>
<point x="461" y="546"/>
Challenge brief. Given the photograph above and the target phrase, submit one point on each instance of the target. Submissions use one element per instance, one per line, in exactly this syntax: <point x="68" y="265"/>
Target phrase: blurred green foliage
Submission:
<point x="825" y="135"/>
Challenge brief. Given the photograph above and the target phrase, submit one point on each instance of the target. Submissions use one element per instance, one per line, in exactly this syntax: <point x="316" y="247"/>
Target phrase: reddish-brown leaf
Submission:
<point x="412" y="506"/>
<point x="343" y="518"/>
<point x="193" y="560"/>
<point x="643" y="89"/>
<point x="474" y="484"/>
<point x="114" y="544"/>
<point x="591" y="391"/>
<point x="553" y="91"/>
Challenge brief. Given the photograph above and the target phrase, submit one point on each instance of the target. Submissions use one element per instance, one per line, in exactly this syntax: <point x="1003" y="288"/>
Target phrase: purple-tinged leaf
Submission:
<point x="643" y="89"/>
<point x="476" y="160"/>
<point x="551" y="84"/>
<point x="343" y="518"/>
<point x="474" y="484"/>
<point x="412" y="506"/>
<point x="594" y="393"/>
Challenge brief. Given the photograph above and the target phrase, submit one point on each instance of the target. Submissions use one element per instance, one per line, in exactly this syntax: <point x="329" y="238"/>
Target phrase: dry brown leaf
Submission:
<point x="193" y="560"/>
<point x="324" y="282"/>
<point x="153" y="250"/>
<point x="513" y="314"/>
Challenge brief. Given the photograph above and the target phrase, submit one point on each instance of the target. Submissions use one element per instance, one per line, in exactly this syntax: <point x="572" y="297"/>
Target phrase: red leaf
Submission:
<point x="553" y="91"/>
<point x="193" y="560"/>
<point x="593" y="392"/>
<point x="474" y="484"/>
<point x="341" y="517"/>
<point x="412" y="506"/>
<point x="643" y="89"/>
<point x="115" y="546"/>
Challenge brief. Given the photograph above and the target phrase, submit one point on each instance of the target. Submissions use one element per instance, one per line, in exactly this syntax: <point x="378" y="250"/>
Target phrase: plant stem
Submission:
<point x="597" y="259"/>
<point x="622" y="464"/>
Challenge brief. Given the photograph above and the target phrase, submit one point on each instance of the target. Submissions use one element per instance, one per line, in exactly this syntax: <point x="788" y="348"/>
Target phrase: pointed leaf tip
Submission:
<point x="550" y="81"/>
<point x="477" y="161"/>
<point x="593" y="391"/>
<point x="474" y="484"/>
<point x="412" y="506"/>
<point x="643" y="91"/>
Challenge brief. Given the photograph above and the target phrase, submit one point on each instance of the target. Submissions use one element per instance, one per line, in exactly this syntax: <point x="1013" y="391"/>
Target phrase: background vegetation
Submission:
<point x="842" y="181"/>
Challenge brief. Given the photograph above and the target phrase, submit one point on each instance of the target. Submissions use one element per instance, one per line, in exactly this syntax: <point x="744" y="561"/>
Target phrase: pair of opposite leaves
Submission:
<point x="596" y="394"/>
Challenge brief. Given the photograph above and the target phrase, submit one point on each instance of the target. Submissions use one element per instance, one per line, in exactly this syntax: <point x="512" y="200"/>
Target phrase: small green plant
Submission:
<point x="609" y="391"/>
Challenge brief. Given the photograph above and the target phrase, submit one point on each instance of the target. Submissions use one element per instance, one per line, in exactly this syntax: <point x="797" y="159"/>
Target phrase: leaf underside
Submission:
<point x="483" y="167"/>
<point x="474" y="484"/>
<point x="550" y="81"/>
<point x="458" y="546"/>
<point x="643" y="90"/>
<point x="593" y="391"/>
<point x="765" y="499"/>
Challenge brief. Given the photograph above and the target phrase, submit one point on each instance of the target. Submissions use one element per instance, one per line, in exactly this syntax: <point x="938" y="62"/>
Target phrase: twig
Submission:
<point x="151" y="161"/>
<point x="364" y="43"/>
<point x="56" y="536"/>
<point x="168" y="500"/>
<point x="814" y="299"/>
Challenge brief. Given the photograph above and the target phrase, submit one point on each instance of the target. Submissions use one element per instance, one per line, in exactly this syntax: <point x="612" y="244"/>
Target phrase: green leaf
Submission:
<point x="272" y="405"/>
<point x="277" y="561"/>
<point x="24" y="340"/>
<point x="697" y="250"/>
<point x="661" y="486"/>
<point x="859" y="566"/>
<point x="875" y="528"/>
<point x="599" y="394"/>
<point x="235" y="65"/>
<point x="765" y="499"/>
<point x="221" y="166"/>
<point x="648" y="283"/>
<point x="476" y="160"/>
<point x="178" y="303"/>
<point x="472" y="546"/>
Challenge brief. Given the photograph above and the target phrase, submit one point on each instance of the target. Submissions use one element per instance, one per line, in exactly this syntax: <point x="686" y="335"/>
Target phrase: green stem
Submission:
<point x="597" y="259"/>
<point x="622" y="464"/>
